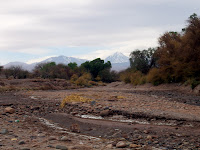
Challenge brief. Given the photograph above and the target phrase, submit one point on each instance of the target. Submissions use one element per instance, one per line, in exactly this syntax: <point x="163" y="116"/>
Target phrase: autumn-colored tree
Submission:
<point x="179" y="53"/>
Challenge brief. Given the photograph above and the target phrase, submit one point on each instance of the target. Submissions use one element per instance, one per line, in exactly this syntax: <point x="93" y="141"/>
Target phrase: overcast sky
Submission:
<point x="31" y="30"/>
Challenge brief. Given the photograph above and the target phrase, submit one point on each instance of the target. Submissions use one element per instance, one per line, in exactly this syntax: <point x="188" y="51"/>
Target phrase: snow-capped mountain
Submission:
<point x="64" y="60"/>
<point x="58" y="60"/>
<point x="117" y="58"/>
<point x="119" y="61"/>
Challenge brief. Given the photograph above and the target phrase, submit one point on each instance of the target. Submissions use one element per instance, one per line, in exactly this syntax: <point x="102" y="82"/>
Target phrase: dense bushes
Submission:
<point x="16" y="72"/>
<point x="133" y="77"/>
<point x="51" y="70"/>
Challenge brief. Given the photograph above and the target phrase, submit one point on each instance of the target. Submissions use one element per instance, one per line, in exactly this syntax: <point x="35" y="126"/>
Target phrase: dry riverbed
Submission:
<point x="118" y="116"/>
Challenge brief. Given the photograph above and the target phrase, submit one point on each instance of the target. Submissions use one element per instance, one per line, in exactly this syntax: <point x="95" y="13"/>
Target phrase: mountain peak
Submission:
<point x="117" y="57"/>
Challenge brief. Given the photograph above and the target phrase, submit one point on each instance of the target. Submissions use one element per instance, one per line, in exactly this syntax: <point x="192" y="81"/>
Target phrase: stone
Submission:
<point x="52" y="138"/>
<point x="146" y="132"/>
<point x="149" y="137"/>
<point x="51" y="146"/>
<point x="105" y="113"/>
<point x="92" y="103"/>
<point x="64" y="138"/>
<point x="14" y="139"/>
<point x="109" y="146"/>
<point x="121" y="144"/>
<point x="25" y="148"/>
<point x="21" y="142"/>
<point x="134" y="146"/>
<point x="61" y="147"/>
<point x="9" y="110"/>
<point x="4" y="131"/>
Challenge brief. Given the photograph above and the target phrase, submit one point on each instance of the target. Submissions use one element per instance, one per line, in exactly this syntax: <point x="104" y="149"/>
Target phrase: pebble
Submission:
<point x="9" y="110"/>
<point x="4" y="131"/>
<point x="51" y="146"/>
<point x="14" y="139"/>
<point x="121" y="144"/>
<point x="146" y="132"/>
<point x="105" y="113"/>
<point x="64" y="138"/>
<point x="61" y="147"/>
<point x="52" y="138"/>
<point x="149" y="137"/>
<point x="134" y="146"/>
<point x="21" y="142"/>
<point x="109" y="146"/>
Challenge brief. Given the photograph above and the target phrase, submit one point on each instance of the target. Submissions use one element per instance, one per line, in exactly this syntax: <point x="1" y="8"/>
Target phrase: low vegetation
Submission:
<point x="74" y="98"/>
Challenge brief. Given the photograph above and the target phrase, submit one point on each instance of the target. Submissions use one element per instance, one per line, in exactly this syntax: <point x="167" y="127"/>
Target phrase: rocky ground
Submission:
<point x="118" y="116"/>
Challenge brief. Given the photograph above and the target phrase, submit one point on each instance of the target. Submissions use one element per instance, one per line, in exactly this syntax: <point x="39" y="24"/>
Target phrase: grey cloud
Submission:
<point x="96" y="23"/>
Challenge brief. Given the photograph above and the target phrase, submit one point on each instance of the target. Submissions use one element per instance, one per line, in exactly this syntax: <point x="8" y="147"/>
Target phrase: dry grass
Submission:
<point x="74" y="98"/>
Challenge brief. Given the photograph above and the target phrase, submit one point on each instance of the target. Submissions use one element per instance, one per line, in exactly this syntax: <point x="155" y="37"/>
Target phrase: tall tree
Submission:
<point x="142" y="60"/>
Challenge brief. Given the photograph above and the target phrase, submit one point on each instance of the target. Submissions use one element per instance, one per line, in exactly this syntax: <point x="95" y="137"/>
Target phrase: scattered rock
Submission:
<point x="61" y="147"/>
<point x="9" y="110"/>
<point x="146" y="132"/>
<point x="52" y="138"/>
<point x="92" y="103"/>
<point x="51" y="146"/>
<point x="137" y="137"/>
<point x="21" y="142"/>
<point x="134" y="146"/>
<point x="64" y="138"/>
<point x="149" y="137"/>
<point x="105" y="113"/>
<point x="4" y="131"/>
<point x="14" y="139"/>
<point x="121" y="144"/>
<point x="109" y="146"/>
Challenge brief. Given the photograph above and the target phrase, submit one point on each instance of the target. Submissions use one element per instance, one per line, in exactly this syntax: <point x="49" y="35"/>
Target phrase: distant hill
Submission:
<point x="23" y="65"/>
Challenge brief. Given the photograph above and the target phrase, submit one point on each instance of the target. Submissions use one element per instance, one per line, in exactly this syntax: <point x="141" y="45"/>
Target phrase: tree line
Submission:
<point x="95" y="70"/>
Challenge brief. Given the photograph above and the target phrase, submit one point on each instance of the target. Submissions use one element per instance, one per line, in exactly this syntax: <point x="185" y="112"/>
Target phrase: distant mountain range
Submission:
<point x="118" y="60"/>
